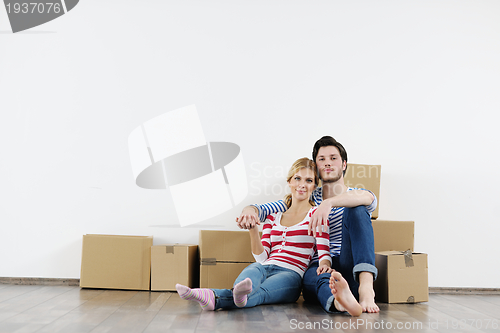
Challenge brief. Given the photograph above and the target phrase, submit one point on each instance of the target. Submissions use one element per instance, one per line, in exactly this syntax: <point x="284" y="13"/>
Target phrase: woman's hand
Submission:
<point x="324" y="269"/>
<point x="319" y="219"/>
<point x="249" y="218"/>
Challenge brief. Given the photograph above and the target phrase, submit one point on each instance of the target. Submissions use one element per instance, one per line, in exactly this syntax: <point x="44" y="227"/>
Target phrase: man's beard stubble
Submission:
<point x="333" y="179"/>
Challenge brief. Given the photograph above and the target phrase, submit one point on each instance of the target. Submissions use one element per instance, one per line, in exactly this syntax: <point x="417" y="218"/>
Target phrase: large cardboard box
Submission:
<point x="393" y="235"/>
<point x="364" y="176"/>
<point x="172" y="264"/>
<point x="402" y="277"/>
<point x="116" y="262"/>
<point x="223" y="255"/>
<point x="225" y="246"/>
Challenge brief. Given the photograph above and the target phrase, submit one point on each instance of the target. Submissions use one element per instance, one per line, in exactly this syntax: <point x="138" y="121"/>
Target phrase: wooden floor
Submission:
<point x="54" y="309"/>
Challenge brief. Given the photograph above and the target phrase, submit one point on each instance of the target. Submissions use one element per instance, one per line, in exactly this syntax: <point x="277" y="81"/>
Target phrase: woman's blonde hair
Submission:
<point x="296" y="166"/>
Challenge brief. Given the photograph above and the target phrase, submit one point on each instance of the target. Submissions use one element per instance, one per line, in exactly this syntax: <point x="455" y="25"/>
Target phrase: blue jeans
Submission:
<point x="271" y="284"/>
<point x="357" y="254"/>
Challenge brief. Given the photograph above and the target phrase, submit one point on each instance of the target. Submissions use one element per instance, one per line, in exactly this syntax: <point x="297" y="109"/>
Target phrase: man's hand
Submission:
<point x="319" y="219"/>
<point x="324" y="269"/>
<point x="249" y="218"/>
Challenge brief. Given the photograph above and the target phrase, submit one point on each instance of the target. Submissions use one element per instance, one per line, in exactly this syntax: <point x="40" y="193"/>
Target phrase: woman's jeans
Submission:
<point x="357" y="255"/>
<point x="271" y="284"/>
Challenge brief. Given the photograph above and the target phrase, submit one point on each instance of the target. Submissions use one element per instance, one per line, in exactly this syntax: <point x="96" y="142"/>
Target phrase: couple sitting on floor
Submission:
<point x="296" y="251"/>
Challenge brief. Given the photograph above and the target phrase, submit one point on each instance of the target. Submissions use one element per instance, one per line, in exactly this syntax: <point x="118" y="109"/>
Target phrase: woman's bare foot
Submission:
<point x="366" y="293"/>
<point x="344" y="299"/>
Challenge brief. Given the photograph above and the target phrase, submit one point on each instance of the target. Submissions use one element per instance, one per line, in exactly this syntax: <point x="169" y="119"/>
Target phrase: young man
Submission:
<point x="346" y="211"/>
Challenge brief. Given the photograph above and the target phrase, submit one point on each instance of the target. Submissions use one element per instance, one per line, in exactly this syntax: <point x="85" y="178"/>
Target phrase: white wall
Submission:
<point x="410" y="85"/>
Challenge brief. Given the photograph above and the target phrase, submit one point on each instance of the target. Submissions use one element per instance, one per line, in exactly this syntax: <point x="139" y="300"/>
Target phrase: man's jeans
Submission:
<point x="357" y="254"/>
<point x="271" y="284"/>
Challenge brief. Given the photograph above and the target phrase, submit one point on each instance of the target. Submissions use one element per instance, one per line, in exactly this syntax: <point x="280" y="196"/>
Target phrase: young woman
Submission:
<point x="282" y="255"/>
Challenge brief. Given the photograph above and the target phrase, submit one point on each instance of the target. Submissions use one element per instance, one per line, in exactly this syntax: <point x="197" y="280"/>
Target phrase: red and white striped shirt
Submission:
<point x="291" y="247"/>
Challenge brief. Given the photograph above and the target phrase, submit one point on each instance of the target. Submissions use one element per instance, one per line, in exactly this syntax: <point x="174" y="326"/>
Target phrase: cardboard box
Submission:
<point x="172" y="264"/>
<point x="364" y="176"/>
<point x="220" y="275"/>
<point x="393" y="235"/>
<point x="402" y="277"/>
<point x="116" y="262"/>
<point x="223" y="255"/>
<point x="225" y="246"/>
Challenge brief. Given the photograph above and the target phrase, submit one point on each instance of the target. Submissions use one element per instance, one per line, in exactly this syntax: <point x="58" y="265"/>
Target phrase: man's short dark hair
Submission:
<point x="329" y="141"/>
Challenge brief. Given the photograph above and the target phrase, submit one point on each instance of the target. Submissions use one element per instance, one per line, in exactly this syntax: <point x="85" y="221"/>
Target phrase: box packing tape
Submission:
<point x="214" y="261"/>
<point x="209" y="261"/>
<point x="408" y="258"/>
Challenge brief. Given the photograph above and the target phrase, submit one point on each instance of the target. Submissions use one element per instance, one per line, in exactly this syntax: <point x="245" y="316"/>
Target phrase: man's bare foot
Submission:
<point x="366" y="293"/>
<point x="367" y="299"/>
<point x="344" y="299"/>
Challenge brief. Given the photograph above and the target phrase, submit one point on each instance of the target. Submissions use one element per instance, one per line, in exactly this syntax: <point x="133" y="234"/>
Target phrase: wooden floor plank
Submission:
<point x="460" y="307"/>
<point x="90" y="314"/>
<point x="135" y="315"/>
<point x="159" y="302"/>
<point x="176" y="305"/>
<point x="74" y="322"/>
<point x="459" y="317"/>
<point x="40" y="315"/>
<point x="494" y="299"/>
<point x="14" y="291"/>
<point x="475" y="303"/>
<point x="140" y="301"/>
<point x="162" y="322"/>
<point x="14" y="306"/>
<point x="432" y="319"/>
<point x="176" y="315"/>
<point x="52" y="309"/>
<point x="125" y="321"/>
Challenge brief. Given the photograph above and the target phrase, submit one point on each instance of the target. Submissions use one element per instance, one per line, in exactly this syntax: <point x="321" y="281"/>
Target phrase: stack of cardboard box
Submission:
<point x="402" y="273"/>
<point x="223" y="255"/>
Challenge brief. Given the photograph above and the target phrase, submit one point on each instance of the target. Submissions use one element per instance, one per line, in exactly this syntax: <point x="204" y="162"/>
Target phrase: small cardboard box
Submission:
<point x="364" y="176"/>
<point x="116" y="262"/>
<point x="172" y="264"/>
<point x="402" y="277"/>
<point x="223" y="255"/>
<point x="393" y="235"/>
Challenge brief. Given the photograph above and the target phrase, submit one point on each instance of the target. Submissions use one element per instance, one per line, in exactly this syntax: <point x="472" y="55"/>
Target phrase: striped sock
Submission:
<point x="240" y="292"/>
<point x="205" y="297"/>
